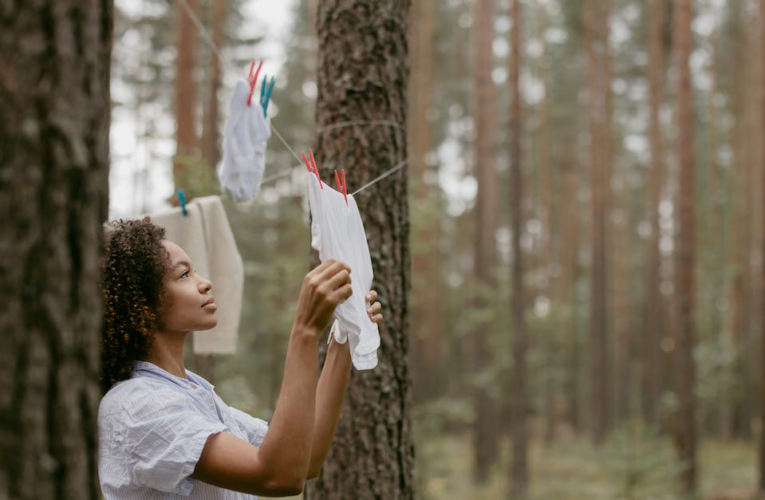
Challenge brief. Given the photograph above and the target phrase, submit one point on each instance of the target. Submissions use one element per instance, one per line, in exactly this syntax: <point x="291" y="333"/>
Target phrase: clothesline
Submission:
<point x="208" y="39"/>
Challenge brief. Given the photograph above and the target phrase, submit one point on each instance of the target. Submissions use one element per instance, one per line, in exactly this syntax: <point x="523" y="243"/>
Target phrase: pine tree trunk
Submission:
<point x="185" y="89"/>
<point x="485" y="445"/>
<point x="363" y="73"/>
<point x="54" y="163"/>
<point x="597" y="104"/>
<point x="210" y="135"/>
<point x="519" y="468"/>
<point x="652" y="332"/>
<point x="685" y="432"/>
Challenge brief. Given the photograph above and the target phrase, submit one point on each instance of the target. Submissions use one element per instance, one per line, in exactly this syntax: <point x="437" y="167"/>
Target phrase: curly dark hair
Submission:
<point x="134" y="268"/>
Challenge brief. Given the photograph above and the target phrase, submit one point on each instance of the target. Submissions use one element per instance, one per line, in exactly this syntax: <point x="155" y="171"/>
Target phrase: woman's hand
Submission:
<point x="324" y="288"/>
<point x="374" y="310"/>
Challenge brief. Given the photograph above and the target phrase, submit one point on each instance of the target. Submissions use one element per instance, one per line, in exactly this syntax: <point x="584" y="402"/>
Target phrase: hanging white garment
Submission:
<point x="244" y="146"/>
<point x="206" y="236"/>
<point x="337" y="232"/>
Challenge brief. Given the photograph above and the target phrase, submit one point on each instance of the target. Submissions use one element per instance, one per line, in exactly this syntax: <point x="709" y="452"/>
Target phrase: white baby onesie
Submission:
<point x="337" y="232"/>
<point x="244" y="146"/>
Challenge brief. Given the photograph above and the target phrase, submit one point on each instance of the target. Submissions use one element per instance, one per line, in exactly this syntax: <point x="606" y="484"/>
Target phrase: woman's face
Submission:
<point x="188" y="308"/>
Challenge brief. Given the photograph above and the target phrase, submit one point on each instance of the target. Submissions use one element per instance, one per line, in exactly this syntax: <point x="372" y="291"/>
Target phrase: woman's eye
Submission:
<point x="184" y="274"/>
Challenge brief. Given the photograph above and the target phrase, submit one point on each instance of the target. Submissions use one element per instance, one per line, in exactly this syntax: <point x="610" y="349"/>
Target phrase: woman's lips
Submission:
<point x="211" y="306"/>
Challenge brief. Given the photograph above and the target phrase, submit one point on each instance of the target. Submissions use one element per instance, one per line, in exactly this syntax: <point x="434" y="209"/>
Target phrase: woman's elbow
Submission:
<point x="286" y="488"/>
<point x="313" y="474"/>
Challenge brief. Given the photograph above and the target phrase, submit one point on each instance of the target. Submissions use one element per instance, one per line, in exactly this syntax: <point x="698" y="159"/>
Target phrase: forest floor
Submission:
<point x="626" y="468"/>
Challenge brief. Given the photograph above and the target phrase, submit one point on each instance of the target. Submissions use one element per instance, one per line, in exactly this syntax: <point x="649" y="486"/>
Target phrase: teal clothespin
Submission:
<point x="265" y="95"/>
<point x="182" y="202"/>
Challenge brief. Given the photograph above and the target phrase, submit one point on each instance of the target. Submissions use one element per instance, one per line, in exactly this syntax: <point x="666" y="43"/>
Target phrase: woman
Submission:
<point x="163" y="431"/>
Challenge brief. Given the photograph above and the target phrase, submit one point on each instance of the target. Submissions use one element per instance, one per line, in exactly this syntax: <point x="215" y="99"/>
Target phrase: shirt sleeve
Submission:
<point x="255" y="428"/>
<point x="164" y="438"/>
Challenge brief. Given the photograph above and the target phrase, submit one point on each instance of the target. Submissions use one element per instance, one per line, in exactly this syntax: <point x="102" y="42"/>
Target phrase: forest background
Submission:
<point x="572" y="263"/>
<point x="599" y="138"/>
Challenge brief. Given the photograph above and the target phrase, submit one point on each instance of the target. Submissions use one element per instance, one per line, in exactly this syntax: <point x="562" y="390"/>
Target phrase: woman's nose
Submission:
<point x="206" y="285"/>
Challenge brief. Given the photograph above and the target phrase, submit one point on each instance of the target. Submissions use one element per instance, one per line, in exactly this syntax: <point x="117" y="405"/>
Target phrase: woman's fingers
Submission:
<point x="377" y="318"/>
<point x="371" y="296"/>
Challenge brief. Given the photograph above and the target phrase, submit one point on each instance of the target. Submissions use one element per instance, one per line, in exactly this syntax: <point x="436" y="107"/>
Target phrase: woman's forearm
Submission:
<point x="329" y="401"/>
<point x="287" y="446"/>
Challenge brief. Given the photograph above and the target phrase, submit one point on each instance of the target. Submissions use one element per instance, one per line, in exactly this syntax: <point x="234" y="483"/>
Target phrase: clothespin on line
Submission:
<point x="342" y="187"/>
<point x="312" y="166"/>
<point x="182" y="202"/>
<point x="265" y="95"/>
<point x="253" y="79"/>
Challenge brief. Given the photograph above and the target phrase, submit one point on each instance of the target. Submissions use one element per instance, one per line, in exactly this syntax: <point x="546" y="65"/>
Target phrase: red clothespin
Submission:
<point x="253" y="80"/>
<point x="342" y="187"/>
<point x="312" y="166"/>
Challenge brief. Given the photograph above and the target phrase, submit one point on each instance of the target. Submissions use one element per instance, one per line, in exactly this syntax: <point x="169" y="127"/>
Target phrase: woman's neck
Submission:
<point x="167" y="353"/>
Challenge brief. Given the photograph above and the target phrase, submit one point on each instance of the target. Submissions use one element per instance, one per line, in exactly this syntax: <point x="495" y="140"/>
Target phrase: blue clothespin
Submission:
<point x="182" y="202"/>
<point x="265" y="95"/>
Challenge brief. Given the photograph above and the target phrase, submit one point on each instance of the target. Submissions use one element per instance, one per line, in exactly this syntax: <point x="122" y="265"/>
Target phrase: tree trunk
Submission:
<point x="427" y="318"/>
<point x="486" y="409"/>
<point x="519" y="467"/>
<point x="685" y="432"/>
<point x="597" y="104"/>
<point x="54" y="131"/>
<point x="363" y="73"/>
<point x="185" y="89"/>
<point x="210" y="135"/>
<point x="652" y="332"/>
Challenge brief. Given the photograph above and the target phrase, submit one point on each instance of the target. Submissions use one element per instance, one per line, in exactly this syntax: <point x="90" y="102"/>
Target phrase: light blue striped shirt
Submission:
<point x="152" y="428"/>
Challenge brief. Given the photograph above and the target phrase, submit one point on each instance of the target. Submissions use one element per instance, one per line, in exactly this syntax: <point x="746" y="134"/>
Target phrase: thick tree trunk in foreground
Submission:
<point x="54" y="162"/>
<point x="685" y="429"/>
<point x="363" y="74"/>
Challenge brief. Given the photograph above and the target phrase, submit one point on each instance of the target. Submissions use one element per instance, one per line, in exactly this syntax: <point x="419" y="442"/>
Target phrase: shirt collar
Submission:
<point x="147" y="369"/>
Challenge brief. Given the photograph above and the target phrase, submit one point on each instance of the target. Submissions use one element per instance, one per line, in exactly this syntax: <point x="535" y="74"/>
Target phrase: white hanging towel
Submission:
<point x="206" y="236"/>
<point x="244" y="146"/>
<point x="337" y="232"/>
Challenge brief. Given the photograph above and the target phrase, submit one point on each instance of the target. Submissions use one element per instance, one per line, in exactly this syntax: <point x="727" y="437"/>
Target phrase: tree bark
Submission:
<point x="519" y="467"/>
<point x="685" y="432"/>
<point x="652" y="332"/>
<point x="54" y="162"/>
<point x="363" y="74"/>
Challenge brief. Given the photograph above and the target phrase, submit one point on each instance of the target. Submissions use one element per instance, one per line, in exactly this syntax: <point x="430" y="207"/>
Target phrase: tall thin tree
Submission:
<point x="485" y="213"/>
<point x="185" y="87"/>
<point x="519" y="468"/>
<point x="597" y="42"/>
<point x="652" y="318"/>
<point x="685" y="429"/>
<point x="54" y="164"/>
<point x="363" y="74"/>
<point x="210" y="135"/>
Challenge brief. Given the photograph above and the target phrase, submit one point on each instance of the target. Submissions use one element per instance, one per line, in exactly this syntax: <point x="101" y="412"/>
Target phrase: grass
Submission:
<point x="576" y="471"/>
